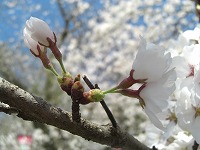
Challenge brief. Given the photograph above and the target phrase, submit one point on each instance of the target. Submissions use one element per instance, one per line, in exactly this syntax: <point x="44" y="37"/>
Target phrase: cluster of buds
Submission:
<point x="75" y="89"/>
<point x="38" y="37"/>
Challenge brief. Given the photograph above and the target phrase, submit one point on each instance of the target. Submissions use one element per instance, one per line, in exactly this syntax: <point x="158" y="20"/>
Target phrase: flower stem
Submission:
<point x="113" y="90"/>
<point x="53" y="71"/>
<point x="62" y="66"/>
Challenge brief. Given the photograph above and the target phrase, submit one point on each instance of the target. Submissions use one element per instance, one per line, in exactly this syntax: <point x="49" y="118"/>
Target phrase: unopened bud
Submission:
<point x="36" y="49"/>
<point x="77" y="91"/>
<point x="94" y="95"/>
<point x="39" y="31"/>
<point x="77" y="78"/>
<point x="66" y="82"/>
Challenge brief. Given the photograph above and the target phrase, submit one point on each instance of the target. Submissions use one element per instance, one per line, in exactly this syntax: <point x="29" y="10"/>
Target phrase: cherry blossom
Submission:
<point x="151" y="62"/>
<point x="193" y="34"/>
<point x="188" y="109"/>
<point x="39" y="31"/>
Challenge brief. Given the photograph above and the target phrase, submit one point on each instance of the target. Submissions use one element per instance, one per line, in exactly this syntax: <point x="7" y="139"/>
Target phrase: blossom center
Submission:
<point x="172" y="117"/>
<point x="197" y="112"/>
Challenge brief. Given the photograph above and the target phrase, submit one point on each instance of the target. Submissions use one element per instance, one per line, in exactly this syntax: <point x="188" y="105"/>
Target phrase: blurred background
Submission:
<point x="98" y="38"/>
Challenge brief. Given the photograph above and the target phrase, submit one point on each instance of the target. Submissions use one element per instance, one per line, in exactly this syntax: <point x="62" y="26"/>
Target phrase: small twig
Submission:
<point x="89" y="84"/>
<point x="195" y="146"/>
<point x="76" y="95"/>
<point x="8" y="110"/>
<point x="76" y="116"/>
<point x="109" y="113"/>
<point x="107" y="110"/>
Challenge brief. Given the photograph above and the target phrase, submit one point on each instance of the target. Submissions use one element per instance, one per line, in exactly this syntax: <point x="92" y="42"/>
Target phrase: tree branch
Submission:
<point x="34" y="108"/>
<point x="8" y="110"/>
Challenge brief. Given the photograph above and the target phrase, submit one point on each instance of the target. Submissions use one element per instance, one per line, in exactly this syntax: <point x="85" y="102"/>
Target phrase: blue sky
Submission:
<point x="14" y="16"/>
<point x="14" y="13"/>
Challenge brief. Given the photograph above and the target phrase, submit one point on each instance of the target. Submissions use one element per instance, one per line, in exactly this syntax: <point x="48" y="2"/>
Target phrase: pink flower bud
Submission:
<point x="39" y="31"/>
<point x="36" y="49"/>
<point x="33" y="45"/>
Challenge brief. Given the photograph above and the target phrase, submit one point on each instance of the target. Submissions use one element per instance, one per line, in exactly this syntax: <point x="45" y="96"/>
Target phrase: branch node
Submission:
<point x="107" y="110"/>
<point x="76" y="95"/>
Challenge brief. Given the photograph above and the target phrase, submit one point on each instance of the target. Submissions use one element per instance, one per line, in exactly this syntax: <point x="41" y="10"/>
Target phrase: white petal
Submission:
<point x="190" y="34"/>
<point x="195" y="128"/>
<point x="168" y="130"/>
<point x="181" y="66"/>
<point x="39" y="30"/>
<point x="197" y="84"/>
<point x="192" y="54"/>
<point x="30" y="43"/>
<point x="156" y="94"/>
<point x="151" y="62"/>
<point x="153" y="118"/>
<point x="184" y="111"/>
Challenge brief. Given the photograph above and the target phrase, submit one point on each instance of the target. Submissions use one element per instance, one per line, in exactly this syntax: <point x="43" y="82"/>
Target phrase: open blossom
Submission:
<point x="193" y="34"/>
<point x="151" y="69"/>
<point x="187" y="62"/>
<point x="155" y="94"/>
<point x="188" y="108"/>
<point x="184" y="114"/>
<point x="34" y="47"/>
<point x="187" y="114"/>
<point x="182" y="141"/>
<point x="39" y="31"/>
<point x="182" y="67"/>
<point x="192" y="54"/>
<point x="151" y="62"/>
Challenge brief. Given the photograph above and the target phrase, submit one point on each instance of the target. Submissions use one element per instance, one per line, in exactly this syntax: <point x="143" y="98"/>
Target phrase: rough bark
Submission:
<point x="33" y="108"/>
